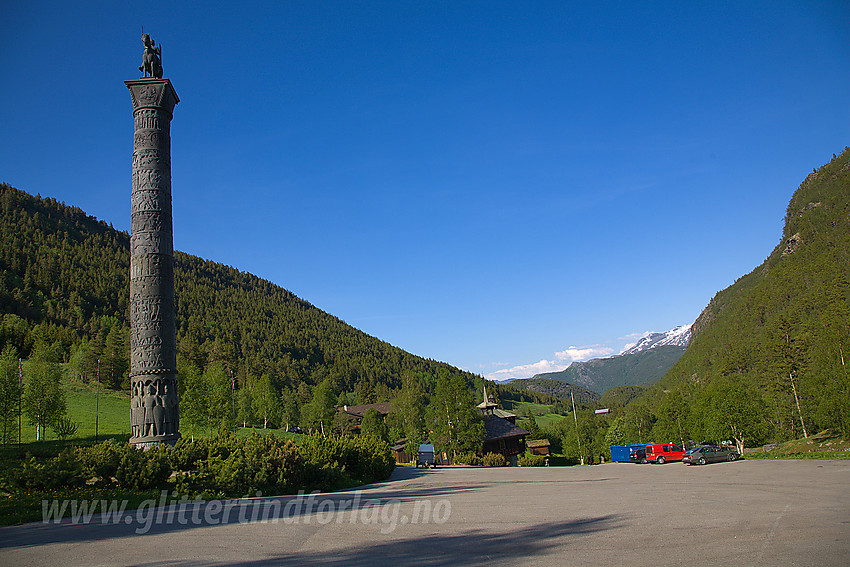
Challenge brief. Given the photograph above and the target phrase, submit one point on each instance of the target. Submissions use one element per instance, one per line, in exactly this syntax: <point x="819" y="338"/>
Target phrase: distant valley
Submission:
<point x="641" y="364"/>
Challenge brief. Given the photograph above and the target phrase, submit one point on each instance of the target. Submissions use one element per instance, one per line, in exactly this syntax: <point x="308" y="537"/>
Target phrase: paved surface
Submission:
<point x="742" y="513"/>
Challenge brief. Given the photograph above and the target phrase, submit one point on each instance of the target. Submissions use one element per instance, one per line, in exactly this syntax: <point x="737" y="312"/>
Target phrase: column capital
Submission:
<point x="153" y="93"/>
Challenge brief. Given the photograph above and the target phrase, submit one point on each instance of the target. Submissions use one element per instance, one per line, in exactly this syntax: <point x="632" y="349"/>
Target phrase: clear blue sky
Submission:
<point x="483" y="183"/>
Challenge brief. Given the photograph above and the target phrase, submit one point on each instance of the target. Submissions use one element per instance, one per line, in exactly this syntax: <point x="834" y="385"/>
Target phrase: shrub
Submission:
<point x="143" y="469"/>
<point x="65" y="428"/>
<point x="529" y="460"/>
<point x="187" y="452"/>
<point x="494" y="460"/>
<point x="64" y="470"/>
<point x="235" y="467"/>
<point x="102" y="460"/>
<point x="361" y="458"/>
<point x="468" y="459"/>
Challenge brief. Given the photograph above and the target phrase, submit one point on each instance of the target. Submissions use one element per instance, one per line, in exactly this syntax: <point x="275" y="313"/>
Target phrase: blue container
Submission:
<point x="620" y="453"/>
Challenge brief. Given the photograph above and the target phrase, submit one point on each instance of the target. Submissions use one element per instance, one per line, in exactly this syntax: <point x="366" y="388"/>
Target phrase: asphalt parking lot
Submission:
<point x="741" y="513"/>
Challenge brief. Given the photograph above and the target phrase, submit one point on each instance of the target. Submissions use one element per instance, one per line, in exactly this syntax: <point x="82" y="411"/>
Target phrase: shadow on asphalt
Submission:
<point x="471" y="547"/>
<point x="171" y="519"/>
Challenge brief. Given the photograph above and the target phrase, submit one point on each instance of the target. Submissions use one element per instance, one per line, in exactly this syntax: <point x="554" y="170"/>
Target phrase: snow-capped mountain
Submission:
<point x="679" y="336"/>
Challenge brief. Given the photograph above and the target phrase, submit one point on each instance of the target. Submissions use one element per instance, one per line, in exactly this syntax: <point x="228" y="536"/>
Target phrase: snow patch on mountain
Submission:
<point x="679" y="336"/>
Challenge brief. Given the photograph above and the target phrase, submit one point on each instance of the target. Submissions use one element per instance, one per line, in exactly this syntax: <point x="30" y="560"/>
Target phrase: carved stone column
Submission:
<point x="154" y="406"/>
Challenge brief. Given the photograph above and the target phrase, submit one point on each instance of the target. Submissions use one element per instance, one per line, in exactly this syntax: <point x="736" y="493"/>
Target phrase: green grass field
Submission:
<point x="111" y="409"/>
<point x="542" y="413"/>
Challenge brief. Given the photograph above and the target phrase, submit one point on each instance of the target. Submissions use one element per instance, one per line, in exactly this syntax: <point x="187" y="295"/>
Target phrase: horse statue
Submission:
<point x="152" y="58"/>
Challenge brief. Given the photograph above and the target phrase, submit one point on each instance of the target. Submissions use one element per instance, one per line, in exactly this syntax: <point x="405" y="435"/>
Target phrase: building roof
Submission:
<point x="499" y="428"/>
<point x="503" y="414"/>
<point x="537" y="443"/>
<point x="383" y="408"/>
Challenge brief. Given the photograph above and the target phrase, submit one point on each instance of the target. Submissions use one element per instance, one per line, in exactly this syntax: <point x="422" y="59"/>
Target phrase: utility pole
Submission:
<point x="796" y="399"/>
<point x="233" y="398"/>
<point x="575" y="417"/>
<point x="20" y="397"/>
<point x="97" y="402"/>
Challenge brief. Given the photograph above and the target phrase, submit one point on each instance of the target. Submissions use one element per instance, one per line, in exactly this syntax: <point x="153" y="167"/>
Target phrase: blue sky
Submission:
<point x="501" y="186"/>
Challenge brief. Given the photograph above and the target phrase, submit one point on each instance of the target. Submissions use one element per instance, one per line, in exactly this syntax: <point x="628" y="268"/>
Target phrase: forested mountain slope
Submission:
<point x="556" y="389"/>
<point x="787" y="319"/>
<point x="602" y="374"/>
<point x="64" y="286"/>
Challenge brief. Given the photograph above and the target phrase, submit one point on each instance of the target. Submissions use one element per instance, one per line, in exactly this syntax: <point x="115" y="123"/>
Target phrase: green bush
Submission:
<point x="65" y="427"/>
<point x="468" y="459"/>
<point x="361" y="458"/>
<point x="494" y="460"/>
<point x="101" y="461"/>
<point x="529" y="460"/>
<point x="143" y="469"/>
<point x="236" y="467"/>
<point x="64" y="470"/>
<point x="187" y="452"/>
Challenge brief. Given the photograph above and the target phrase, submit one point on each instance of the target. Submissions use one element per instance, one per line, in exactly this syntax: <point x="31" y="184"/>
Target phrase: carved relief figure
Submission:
<point x="159" y="409"/>
<point x="149" y="403"/>
<point x="136" y="410"/>
<point x="152" y="58"/>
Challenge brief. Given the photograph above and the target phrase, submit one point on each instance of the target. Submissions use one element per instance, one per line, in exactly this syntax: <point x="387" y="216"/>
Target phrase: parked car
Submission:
<point x="638" y="456"/>
<point x="710" y="454"/>
<point x="661" y="453"/>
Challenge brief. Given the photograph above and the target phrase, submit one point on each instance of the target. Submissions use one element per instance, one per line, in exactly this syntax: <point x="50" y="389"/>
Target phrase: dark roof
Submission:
<point x="498" y="428"/>
<point x="383" y="409"/>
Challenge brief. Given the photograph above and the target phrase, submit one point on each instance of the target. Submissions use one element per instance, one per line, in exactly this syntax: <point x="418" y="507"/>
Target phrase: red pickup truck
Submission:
<point x="662" y="453"/>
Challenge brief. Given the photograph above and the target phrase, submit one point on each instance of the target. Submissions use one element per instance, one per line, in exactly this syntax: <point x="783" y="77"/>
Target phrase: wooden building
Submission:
<point x="501" y="434"/>
<point x="538" y="446"/>
<point x="353" y="415"/>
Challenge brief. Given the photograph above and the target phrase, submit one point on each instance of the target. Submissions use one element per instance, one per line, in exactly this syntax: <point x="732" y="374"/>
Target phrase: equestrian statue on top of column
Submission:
<point x="152" y="58"/>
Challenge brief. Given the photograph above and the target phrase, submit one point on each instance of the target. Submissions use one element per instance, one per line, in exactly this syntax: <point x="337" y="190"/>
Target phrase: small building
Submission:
<point x="399" y="449"/>
<point x="501" y="435"/>
<point x="538" y="447"/>
<point x="353" y="415"/>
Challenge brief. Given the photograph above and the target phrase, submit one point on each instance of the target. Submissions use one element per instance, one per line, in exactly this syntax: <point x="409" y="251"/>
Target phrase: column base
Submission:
<point x="146" y="443"/>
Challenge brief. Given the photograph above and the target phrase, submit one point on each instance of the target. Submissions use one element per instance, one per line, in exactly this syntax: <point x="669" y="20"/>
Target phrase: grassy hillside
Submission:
<point x="602" y="374"/>
<point x="112" y="408"/>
